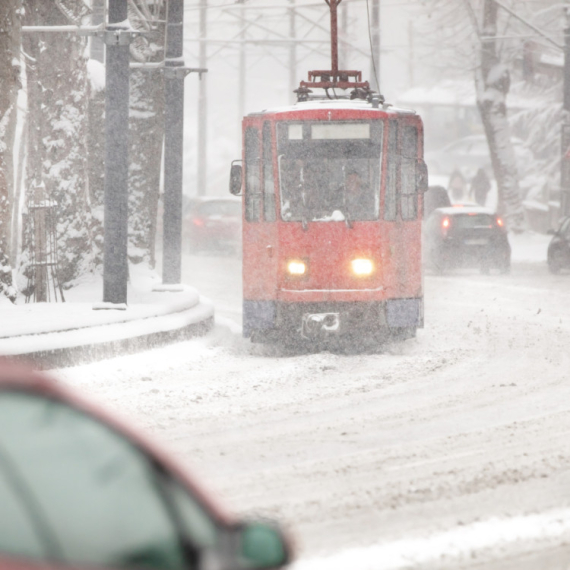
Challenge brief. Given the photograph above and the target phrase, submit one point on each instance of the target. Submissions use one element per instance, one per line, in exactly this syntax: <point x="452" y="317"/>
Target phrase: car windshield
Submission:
<point x="330" y="171"/>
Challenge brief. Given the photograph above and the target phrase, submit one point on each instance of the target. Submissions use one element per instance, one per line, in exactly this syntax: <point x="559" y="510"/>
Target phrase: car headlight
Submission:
<point x="296" y="268"/>
<point x="362" y="267"/>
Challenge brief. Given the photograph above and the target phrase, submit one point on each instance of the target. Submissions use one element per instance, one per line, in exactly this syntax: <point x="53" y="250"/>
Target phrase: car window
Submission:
<point x="472" y="221"/>
<point x="221" y="208"/>
<point x="18" y="534"/>
<point x="80" y="492"/>
<point x="197" y="524"/>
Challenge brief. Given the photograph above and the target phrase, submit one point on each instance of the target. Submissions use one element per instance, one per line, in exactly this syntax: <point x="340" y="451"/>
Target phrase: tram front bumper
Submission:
<point x="330" y="318"/>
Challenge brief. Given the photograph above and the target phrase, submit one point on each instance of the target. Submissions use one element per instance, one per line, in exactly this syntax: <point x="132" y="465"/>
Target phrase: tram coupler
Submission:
<point x="318" y="325"/>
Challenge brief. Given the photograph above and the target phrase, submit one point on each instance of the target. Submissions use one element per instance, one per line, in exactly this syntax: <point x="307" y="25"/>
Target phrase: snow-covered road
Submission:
<point x="449" y="450"/>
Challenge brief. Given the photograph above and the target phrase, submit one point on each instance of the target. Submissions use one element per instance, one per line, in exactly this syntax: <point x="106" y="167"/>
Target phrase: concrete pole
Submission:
<point x="565" y="135"/>
<point x="173" y="144"/>
<point x="203" y="102"/>
<point x="293" y="79"/>
<point x="242" y="66"/>
<point x="411" y="55"/>
<point x="115" y="266"/>
<point x="96" y="45"/>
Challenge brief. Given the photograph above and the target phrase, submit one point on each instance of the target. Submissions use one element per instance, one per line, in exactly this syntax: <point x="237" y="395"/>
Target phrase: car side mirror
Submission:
<point x="235" y="178"/>
<point x="262" y="545"/>
<point x="421" y="176"/>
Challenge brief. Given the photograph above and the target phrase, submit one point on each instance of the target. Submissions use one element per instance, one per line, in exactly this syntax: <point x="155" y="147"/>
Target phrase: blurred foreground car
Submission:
<point x="466" y="236"/>
<point x="213" y="224"/>
<point x="559" y="248"/>
<point x="469" y="154"/>
<point x="80" y="490"/>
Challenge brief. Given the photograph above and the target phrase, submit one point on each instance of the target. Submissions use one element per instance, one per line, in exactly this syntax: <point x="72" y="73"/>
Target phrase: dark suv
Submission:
<point x="466" y="236"/>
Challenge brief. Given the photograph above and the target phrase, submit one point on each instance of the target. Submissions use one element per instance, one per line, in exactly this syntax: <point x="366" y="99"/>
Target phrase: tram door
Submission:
<point x="260" y="247"/>
<point x="402" y="208"/>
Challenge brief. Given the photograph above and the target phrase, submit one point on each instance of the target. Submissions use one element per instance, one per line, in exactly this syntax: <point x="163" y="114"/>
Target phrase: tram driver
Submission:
<point x="358" y="198"/>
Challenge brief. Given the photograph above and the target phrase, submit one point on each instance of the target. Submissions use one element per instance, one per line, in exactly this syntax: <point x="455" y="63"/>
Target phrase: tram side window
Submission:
<point x="252" y="176"/>
<point x="268" y="180"/>
<point x="390" y="199"/>
<point x="408" y="161"/>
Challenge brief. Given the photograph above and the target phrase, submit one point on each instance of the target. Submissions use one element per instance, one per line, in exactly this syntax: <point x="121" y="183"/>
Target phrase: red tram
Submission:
<point x="332" y="202"/>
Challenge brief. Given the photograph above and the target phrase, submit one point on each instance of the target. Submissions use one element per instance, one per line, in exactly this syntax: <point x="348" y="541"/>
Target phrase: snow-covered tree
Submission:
<point x="57" y="110"/>
<point x="483" y="39"/>
<point x="492" y="82"/>
<point x="146" y="127"/>
<point x="10" y="30"/>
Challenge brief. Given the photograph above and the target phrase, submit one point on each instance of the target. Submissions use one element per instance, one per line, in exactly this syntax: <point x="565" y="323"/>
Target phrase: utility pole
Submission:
<point x="411" y="56"/>
<point x="293" y="80"/>
<point x="203" y="102"/>
<point x="174" y="74"/>
<point x="115" y="265"/>
<point x="565" y="134"/>
<point x="375" y="57"/>
<point x="242" y="65"/>
<point x="344" y="43"/>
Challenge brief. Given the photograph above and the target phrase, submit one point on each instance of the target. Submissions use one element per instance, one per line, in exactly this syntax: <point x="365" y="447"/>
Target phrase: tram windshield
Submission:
<point x="329" y="171"/>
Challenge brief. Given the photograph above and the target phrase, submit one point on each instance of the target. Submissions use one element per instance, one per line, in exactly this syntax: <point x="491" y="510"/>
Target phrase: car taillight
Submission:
<point x="445" y="225"/>
<point x="198" y="222"/>
<point x="500" y="223"/>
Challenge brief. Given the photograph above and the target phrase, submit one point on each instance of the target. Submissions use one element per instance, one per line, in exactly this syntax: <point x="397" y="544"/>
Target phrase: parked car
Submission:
<point x="468" y="154"/>
<point x="558" y="255"/>
<point x="466" y="236"/>
<point x="213" y="224"/>
<point x="79" y="489"/>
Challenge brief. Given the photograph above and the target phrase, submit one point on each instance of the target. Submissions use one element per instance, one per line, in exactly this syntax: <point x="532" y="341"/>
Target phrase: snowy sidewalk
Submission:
<point x="51" y="335"/>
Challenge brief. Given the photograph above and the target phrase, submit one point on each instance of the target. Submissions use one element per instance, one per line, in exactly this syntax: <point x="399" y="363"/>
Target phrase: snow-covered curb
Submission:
<point x="71" y="347"/>
<point x="34" y="318"/>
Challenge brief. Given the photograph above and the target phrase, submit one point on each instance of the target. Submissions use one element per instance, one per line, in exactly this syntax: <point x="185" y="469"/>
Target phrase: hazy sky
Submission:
<point x="267" y="83"/>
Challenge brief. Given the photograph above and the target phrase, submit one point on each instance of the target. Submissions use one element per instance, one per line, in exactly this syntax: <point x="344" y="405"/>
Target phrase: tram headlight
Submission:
<point x="296" y="268"/>
<point x="362" y="267"/>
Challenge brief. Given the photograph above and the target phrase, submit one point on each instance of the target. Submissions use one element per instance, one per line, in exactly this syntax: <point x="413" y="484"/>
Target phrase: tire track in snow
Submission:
<point x="526" y="533"/>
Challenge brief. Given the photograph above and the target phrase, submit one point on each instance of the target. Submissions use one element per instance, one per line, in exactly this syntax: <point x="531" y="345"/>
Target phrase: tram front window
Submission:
<point x="329" y="179"/>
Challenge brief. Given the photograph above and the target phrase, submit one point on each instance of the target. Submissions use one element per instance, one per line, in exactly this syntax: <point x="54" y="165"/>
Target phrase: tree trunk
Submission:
<point x="492" y="82"/>
<point x="57" y="101"/>
<point x="10" y="39"/>
<point x="146" y="128"/>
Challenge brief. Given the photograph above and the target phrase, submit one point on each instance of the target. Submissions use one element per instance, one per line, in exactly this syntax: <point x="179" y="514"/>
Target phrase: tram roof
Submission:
<point x="323" y="104"/>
